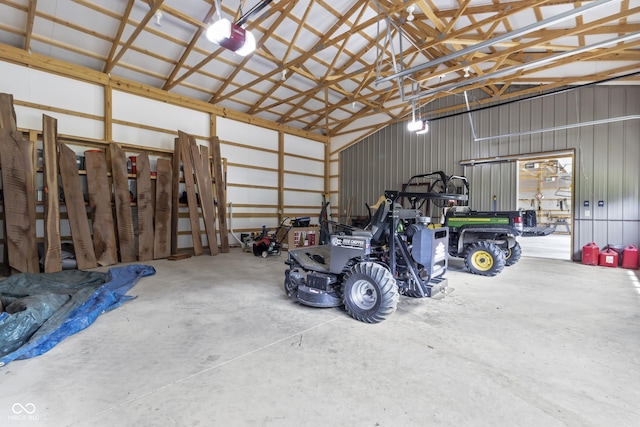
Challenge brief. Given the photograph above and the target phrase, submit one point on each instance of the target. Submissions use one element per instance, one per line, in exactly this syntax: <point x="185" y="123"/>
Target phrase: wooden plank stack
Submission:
<point x="196" y="168"/>
<point x="114" y="229"/>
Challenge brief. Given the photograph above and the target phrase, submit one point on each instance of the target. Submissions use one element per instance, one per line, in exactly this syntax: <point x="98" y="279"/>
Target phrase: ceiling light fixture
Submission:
<point x="414" y="125"/>
<point x="425" y="128"/>
<point x="418" y="126"/>
<point x="411" y="9"/>
<point x="231" y="36"/>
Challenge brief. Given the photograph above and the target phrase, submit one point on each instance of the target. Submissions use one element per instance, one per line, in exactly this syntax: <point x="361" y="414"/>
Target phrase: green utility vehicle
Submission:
<point x="486" y="240"/>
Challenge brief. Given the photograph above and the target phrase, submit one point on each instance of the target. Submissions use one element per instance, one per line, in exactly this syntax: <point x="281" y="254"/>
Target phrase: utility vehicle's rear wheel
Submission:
<point x="484" y="259"/>
<point x="512" y="255"/>
<point x="370" y="292"/>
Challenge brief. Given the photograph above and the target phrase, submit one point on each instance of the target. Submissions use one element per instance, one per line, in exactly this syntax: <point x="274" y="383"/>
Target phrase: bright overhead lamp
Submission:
<point x="418" y="126"/>
<point x="414" y="125"/>
<point x="249" y="44"/>
<point x="411" y="9"/>
<point x="425" y="128"/>
<point x="231" y="36"/>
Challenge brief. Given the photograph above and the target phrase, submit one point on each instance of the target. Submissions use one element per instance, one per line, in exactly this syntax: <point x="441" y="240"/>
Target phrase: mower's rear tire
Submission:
<point x="512" y="255"/>
<point x="369" y="292"/>
<point x="484" y="258"/>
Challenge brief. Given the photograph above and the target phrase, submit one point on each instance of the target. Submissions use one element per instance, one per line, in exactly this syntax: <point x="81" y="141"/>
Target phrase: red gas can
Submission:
<point x="590" y="253"/>
<point x="609" y="258"/>
<point x="630" y="257"/>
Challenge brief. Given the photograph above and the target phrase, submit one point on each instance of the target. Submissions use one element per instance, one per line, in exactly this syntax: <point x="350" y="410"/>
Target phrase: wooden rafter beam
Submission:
<point x="210" y="57"/>
<point x="530" y="89"/>
<point x="494" y="8"/>
<point x="188" y="50"/>
<point x="516" y="78"/>
<point x="31" y="15"/>
<point x="285" y="57"/>
<point x="324" y="79"/>
<point x="543" y="37"/>
<point x="116" y="40"/>
<point x="112" y="62"/>
<point x="464" y="4"/>
<point x="283" y="14"/>
<point x="320" y="44"/>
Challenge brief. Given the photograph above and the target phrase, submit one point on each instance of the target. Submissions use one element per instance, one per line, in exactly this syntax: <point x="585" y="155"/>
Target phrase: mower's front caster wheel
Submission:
<point x="369" y="292"/>
<point x="292" y="279"/>
<point x="484" y="259"/>
<point x="512" y="255"/>
<point x="265" y="254"/>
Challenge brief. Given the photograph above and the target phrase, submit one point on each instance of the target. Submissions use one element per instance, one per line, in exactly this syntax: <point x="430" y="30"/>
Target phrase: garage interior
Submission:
<point x="171" y="144"/>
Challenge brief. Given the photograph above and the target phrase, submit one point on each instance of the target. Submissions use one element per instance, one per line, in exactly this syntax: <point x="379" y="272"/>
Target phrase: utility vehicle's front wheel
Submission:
<point x="512" y="255"/>
<point x="370" y="292"/>
<point x="484" y="259"/>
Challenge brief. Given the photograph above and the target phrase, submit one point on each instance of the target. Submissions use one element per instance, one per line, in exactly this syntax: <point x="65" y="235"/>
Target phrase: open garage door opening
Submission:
<point x="545" y="191"/>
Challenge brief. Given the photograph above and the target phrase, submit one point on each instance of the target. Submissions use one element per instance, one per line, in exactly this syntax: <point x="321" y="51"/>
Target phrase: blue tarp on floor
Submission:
<point x="44" y="309"/>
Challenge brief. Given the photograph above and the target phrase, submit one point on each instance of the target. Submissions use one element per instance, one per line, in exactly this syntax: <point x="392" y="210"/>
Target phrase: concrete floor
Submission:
<point x="553" y="246"/>
<point x="212" y="341"/>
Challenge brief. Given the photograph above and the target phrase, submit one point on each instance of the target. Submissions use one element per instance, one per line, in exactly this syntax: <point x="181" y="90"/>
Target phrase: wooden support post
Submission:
<point x="280" y="176"/>
<point x="175" y="196"/>
<point x="220" y="193"/>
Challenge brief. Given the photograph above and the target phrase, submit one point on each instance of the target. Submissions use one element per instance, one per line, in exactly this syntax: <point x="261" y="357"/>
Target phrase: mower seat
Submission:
<point x="376" y="228"/>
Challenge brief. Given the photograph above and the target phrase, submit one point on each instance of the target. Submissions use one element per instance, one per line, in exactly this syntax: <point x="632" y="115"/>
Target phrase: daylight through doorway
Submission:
<point x="545" y="191"/>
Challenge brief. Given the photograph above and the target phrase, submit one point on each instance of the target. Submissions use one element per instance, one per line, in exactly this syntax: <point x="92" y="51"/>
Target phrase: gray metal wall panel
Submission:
<point x="606" y="164"/>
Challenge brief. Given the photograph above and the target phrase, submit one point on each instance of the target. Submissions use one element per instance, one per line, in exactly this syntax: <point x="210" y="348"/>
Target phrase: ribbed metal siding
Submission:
<point x="607" y="158"/>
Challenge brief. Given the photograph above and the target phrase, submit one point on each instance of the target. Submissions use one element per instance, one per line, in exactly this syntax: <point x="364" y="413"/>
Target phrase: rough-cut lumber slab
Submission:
<point x="7" y="113"/>
<point x="76" y="209"/>
<point x="104" y="235"/>
<point x="220" y="194"/>
<point x="187" y="166"/>
<point x="124" y="216"/>
<point x="145" y="208"/>
<point x="206" y="196"/>
<point x="52" y="250"/>
<point x="19" y="201"/>
<point x="164" y="200"/>
<point x="175" y="197"/>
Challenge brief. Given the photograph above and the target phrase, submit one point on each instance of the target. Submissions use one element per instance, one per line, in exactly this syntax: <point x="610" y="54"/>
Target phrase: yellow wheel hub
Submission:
<point x="482" y="260"/>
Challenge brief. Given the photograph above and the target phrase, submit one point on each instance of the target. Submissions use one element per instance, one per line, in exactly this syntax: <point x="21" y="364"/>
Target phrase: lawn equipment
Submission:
<point x="366" y="270"/>
<point x="270" y="244"/>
